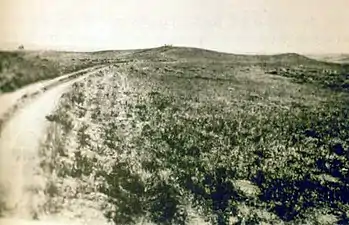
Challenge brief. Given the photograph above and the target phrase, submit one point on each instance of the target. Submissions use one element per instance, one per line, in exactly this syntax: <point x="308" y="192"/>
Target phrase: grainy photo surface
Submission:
<point x="174" y="112"/>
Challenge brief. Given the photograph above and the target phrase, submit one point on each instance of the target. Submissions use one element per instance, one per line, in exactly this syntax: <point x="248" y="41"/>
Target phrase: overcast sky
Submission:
<point x="241" y="26"/>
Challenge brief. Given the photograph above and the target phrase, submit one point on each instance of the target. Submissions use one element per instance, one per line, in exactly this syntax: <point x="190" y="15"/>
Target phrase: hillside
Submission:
<point x="300" y="68"/>
<point x="183" y="136"/>
<point x="20" y="68"/>
<point x="186" y="54"/>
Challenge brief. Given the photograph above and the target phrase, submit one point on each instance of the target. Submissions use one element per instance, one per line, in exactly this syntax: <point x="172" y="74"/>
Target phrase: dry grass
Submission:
<point x="166" y="142"/>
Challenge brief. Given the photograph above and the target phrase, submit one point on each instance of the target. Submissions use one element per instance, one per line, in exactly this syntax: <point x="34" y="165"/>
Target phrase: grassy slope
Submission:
<point x="20" y="68"/>
<point x="222" y="137"/>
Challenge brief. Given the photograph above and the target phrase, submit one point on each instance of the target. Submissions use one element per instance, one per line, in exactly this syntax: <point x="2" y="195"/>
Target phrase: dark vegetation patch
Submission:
<point x="335" y="78"/>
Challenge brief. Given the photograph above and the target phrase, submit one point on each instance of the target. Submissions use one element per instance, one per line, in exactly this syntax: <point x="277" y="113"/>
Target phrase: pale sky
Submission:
<point x="238" y="26"/>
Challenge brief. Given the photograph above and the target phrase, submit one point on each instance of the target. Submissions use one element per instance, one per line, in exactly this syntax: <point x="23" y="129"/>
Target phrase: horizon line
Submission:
<point x="36" y="47"/>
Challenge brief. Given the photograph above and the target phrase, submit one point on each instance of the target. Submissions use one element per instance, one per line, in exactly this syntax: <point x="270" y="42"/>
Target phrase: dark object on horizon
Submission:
<point x="21" y="47"/>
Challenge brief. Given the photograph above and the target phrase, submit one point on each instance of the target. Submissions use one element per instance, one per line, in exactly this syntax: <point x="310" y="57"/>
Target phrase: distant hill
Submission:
<point x="168" y="53"/>
<point x="334" y="58"/>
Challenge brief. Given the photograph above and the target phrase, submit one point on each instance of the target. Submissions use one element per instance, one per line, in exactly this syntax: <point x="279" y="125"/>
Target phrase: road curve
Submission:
<point x="8" y="101"/>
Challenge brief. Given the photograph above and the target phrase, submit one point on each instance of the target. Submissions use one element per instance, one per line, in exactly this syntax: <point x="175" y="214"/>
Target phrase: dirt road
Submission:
<point x="21" y="182"/>
<point x="9" y="100"/>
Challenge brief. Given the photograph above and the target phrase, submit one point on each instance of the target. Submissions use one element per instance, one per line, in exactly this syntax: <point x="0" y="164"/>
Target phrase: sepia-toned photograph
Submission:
<point x="183" y="112"/>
